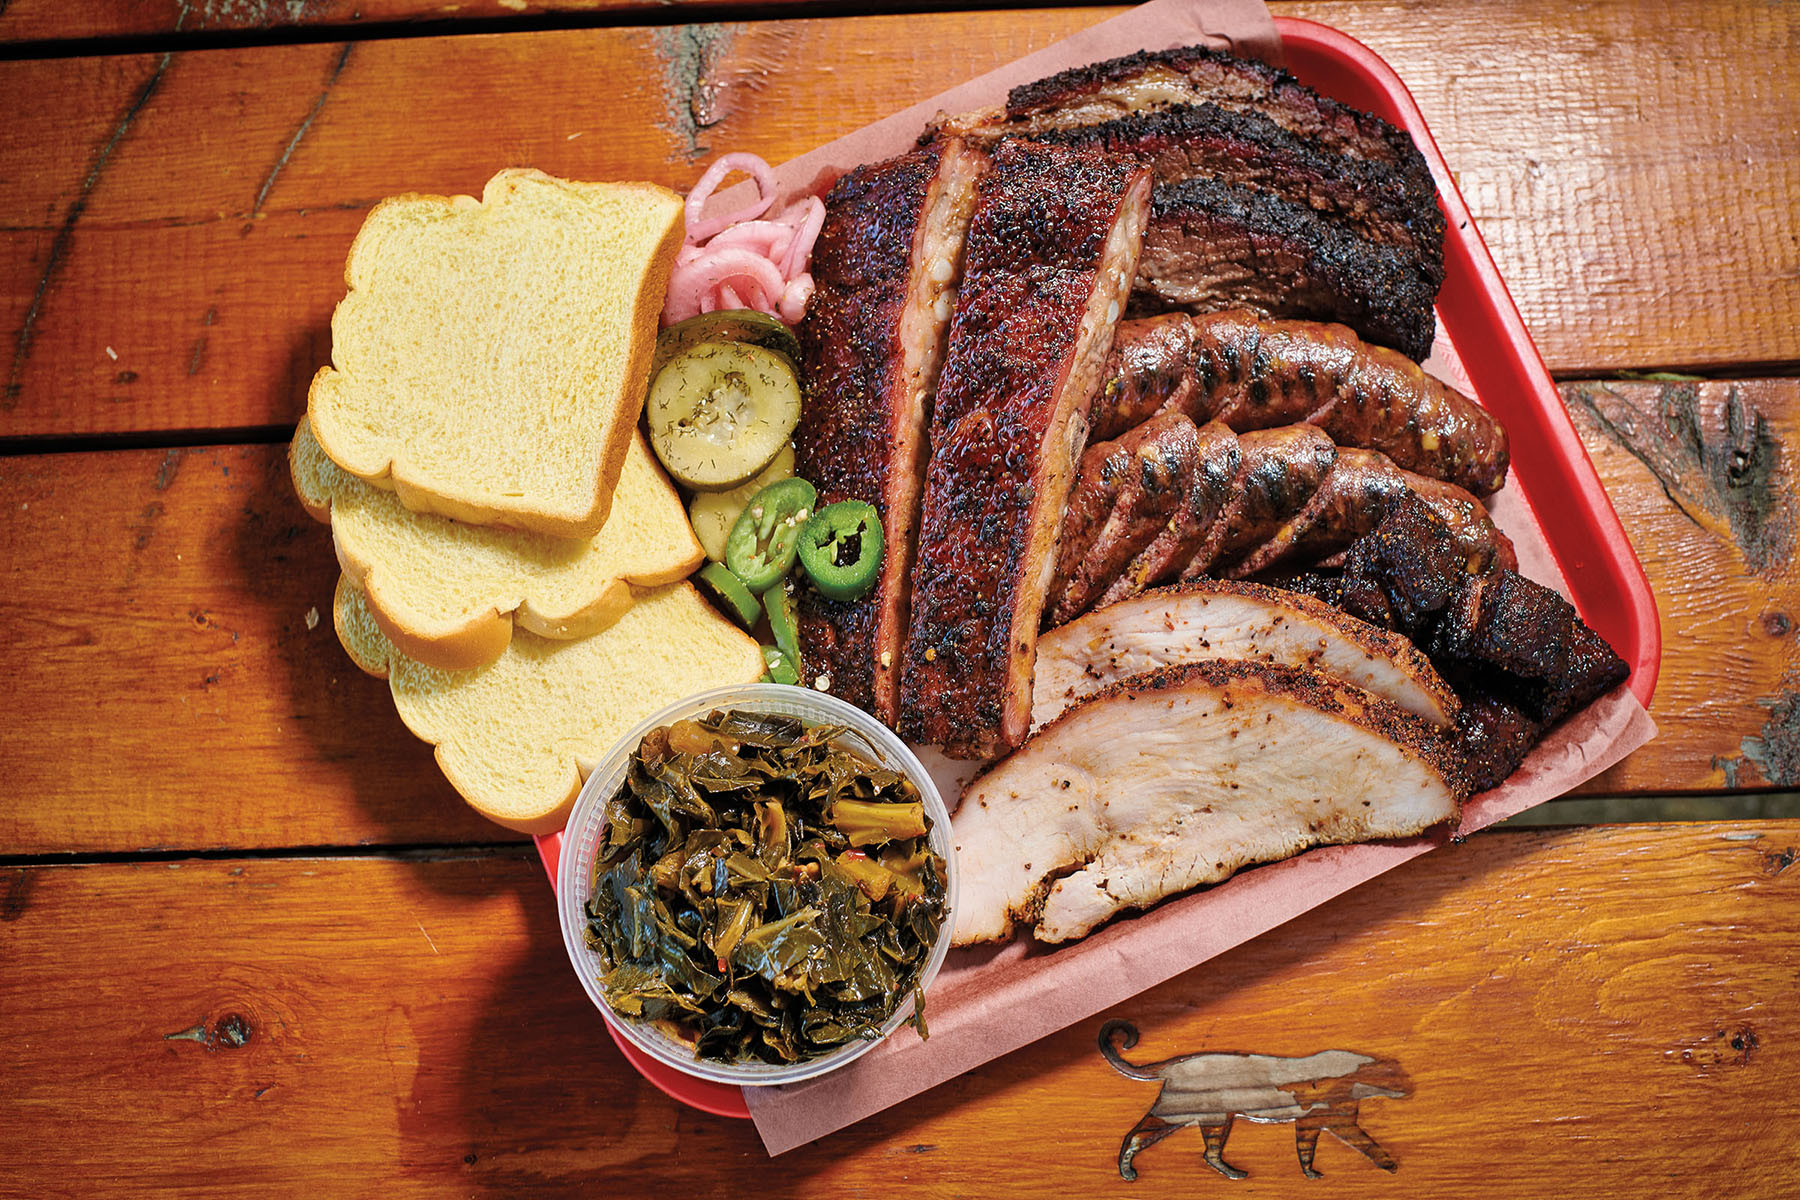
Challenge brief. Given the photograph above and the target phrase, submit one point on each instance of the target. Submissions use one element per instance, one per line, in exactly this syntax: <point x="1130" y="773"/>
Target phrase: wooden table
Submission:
<point x="250" y="941"/>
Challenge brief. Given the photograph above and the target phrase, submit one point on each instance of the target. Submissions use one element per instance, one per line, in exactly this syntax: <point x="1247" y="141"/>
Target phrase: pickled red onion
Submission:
<point x="744" y="259"/>
<point x="694" y="283"/>
<point x="800" y="249"/>
<point x="699" y="230"/>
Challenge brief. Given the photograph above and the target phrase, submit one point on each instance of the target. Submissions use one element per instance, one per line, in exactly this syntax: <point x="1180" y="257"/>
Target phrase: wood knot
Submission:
<point x="231" y="1031"/>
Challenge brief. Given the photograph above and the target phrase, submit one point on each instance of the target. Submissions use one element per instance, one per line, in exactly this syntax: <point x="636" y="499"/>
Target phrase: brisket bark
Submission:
<point x="1303" y="197"/>
<point x="1517" y="653"/>
<point x="1370" y="197"/>
<point x="1148" y="81"/>
<point x="1213" y="245"/>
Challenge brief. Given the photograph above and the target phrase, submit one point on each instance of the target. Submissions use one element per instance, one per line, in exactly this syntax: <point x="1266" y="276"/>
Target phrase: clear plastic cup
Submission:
<point x="584" y="833"/>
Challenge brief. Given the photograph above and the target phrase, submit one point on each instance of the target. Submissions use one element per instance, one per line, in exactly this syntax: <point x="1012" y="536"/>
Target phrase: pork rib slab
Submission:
<point x="1052" y="249"/>
<point x="885" y="268"/>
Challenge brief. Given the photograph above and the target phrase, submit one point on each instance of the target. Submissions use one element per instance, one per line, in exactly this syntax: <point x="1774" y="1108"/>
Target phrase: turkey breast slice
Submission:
<point x="1176" y="778"/>
<point x="1212" y="619"/>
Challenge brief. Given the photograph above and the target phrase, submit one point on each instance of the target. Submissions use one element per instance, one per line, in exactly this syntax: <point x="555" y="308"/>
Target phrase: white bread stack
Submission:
<point x="518" y="736"/>
<point x="511" y="550"/>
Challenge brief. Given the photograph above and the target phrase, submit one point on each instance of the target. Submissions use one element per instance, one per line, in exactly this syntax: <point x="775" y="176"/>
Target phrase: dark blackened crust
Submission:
<point x="1240" y="83"/>
<point x="861" y="264"/>
<point x="1517" y="653"/>
<point x="1237" y="678"/>
<point x="1247" y="148"/>
<point x="1033" y="250"/>
<point x="872" y="341"/>
<point x="852" y="422"/>
<point x="1214" y="245"/>
<point x="1319" y="198"/>
<point x="836" y="640"/>
<point x="1004" y="416"/>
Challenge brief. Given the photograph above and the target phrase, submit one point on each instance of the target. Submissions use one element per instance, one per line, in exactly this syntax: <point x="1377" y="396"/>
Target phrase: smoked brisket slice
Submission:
<point x="1149" y="81"/>
<point x="885" y="269"/>
<point x="1052" y="249"/>
<point x="1368" y="196"/>
<point x="1213" y="245"/>
<point x="1269" y="195"/>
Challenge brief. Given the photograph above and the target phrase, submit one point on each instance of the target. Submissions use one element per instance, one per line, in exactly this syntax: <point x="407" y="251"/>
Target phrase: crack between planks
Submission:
<point x="446" y="23"/>
<point x="59" y="245"/>
<point x="293" y="142"/>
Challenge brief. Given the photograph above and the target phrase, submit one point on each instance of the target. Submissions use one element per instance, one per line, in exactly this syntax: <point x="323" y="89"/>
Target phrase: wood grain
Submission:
<point x="174" y="225"/>
<point x="154" y="628"/>
<point x="1703" y="476"/>
<point x="74" y="20"/>
<point x="1613" y="1008"/>
<point x="1568" y="130"/>
<point x="172" y="675"/>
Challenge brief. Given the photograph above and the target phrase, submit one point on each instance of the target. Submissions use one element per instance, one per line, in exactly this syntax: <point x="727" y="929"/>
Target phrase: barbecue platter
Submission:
<point x="1088" y="440"/>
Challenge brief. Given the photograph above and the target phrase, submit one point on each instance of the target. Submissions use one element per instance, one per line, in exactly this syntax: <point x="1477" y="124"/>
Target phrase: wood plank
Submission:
<point x="74" y="20"/>
<point x="172" y="675"/>
<point x="174" y="225"/>
<point x="155" y="626"/>
<point x="1611" y="1007"/>
<point x="1703" y="476"/>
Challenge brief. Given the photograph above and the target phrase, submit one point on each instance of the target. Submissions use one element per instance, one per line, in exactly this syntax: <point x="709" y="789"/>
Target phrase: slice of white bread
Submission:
<point x="447" y="593"/>
<point x="488" y="361"/>
<point x="517" y="737"/>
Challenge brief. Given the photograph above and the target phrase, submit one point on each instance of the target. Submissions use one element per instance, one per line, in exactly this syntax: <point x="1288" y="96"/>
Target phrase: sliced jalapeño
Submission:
<point x="840" y="548"/>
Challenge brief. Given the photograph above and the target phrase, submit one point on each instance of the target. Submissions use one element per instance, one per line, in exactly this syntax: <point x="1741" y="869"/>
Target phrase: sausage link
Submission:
<point x="1258" y="374"/>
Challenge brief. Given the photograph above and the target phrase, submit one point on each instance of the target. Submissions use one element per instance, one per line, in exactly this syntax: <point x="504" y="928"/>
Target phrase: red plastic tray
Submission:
<point x="1549" y="463"/>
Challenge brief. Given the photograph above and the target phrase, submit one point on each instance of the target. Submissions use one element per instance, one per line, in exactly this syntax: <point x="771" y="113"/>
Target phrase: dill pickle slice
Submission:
<point x="729" y="325"/>
<point x="712" y="514"/>
<point x="719" y="412"/>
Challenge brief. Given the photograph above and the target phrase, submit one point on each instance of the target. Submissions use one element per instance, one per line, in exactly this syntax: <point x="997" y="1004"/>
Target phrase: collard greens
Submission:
<point x="763" y="894"/>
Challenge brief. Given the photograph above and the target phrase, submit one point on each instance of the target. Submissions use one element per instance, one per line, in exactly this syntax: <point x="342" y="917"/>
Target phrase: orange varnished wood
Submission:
<point x="1605" y="1012"/>
<point x="174" y="225"/>
<point x="1637" y="193"/>
<point x="1608" y="1007"/>
<point x="72" y="20"/>
<point x="172" y="679"/>
<point x="1703" y="476"/>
